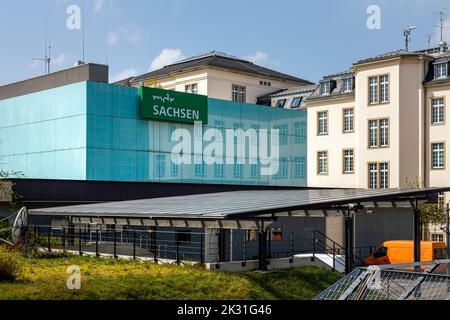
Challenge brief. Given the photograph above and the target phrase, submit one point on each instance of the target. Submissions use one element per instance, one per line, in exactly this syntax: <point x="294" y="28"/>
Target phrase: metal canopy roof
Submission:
<point x="237" y="205"/>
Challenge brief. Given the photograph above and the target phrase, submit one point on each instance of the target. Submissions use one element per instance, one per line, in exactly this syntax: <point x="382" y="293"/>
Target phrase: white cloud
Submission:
<point x="127" y="32"/>
<point x="99" y="4"/>
<point x="132" y="72"/>
<point x="59" y="60"/>
<point x="166" y="57"/>
<point x="262" y="59"/>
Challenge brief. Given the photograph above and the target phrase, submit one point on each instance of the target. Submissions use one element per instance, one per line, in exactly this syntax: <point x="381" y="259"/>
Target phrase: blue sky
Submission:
<point x="307" y="39"/>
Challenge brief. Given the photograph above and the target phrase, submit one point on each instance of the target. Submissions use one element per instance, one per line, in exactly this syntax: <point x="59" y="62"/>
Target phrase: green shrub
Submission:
<point x="10" y="265"/>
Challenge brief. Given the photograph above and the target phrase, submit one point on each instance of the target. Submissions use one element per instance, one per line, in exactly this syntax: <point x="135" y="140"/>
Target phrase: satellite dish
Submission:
<point x="19" y="225"/>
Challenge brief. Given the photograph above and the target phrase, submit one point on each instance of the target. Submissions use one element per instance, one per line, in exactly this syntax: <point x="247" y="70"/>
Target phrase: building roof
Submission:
<point x="337" y="87"/>
<point x="218" y="60"/>
<point x="392" y="54"/>
<point x="293" y="91"/>
<point x="235" y="205"/>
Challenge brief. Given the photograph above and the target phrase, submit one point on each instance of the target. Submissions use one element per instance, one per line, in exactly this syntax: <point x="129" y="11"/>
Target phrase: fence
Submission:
<point x="418" y="281"/>
<point x="195" y="245"/>
<point x="145" y="244"/>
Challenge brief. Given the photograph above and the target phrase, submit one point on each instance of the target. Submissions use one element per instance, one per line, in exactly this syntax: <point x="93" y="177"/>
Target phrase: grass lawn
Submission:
<point x="45" y="279"/>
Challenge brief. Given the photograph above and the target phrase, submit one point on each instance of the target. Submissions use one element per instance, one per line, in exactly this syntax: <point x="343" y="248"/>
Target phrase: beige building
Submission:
<point x="219" y="76"/>
<point x="383" y="124"/>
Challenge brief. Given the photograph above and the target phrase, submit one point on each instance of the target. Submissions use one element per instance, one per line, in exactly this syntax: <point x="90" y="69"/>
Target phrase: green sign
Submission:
<point x="173" y="106"/>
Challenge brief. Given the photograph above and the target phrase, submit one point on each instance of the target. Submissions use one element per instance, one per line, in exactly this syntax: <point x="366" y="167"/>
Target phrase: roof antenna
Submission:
<point x="47" y="57"/>
<point x="441" y="26"/>
<point x="407" y="35"/>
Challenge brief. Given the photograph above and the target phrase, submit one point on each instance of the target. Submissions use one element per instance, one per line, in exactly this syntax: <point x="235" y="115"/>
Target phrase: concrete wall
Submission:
<point x="86" y="72"/>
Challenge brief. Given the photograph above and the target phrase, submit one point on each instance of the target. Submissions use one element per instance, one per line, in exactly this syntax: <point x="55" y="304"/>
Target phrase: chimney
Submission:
<point x="443" y="46"/>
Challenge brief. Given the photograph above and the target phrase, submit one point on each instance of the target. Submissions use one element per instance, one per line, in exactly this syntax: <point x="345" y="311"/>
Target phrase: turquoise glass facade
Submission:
<point x="93" y="131"/>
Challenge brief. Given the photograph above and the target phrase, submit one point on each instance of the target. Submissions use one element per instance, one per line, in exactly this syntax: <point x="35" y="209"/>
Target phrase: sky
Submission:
<point x="307" y="39"/>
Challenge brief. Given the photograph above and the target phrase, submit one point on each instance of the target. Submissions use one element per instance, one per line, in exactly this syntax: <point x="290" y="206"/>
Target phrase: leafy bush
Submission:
<point x="10" y="265"/>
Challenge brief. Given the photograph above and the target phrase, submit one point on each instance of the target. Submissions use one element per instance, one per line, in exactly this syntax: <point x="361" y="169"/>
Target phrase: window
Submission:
<point x="254" y="171"/>
<point x="373" y="133"/>
<point x="379" y="133"/>
<point x="322" y="123"/>
<point x="325" y="88"/>
<point x="191" y="88"/>
<point x="373" y="175"/>
<point x="174" y="169"/>
<point x="384" y="132"/>
<point x="296" y="102"/>
<point x="437" y="109"/>
<point x="349" y="120"/>
<point x="239" y="93"/>
<point x="348" y="161"/>
<point x="281" y="103"/>
<point x="347" y="84"/>
<point x="322" y="162"/>
<point x="238" y="170"/>
<point x="384" y="175"/>
<point x="441" y="70"/>
<point x="299" y="167"/>
<point x="283" y="171"/>
<point x="437" y="237"/>
<point x="379" y="175"/>
<point x="284" y="134"/>
<point x="251" y="235"/>
<point x="438" y="156"/>
<point x="384" y="88"/>
<point x="381" y="252"/>
<point x="200" y="170"/>
<point x="373" y="90"/>
<point x="183" y="236"/>
<point x="276" y="234"/>
<point x="219" y="170"/>
<point x="300" y="132"/>
<point x="160" y="165"/>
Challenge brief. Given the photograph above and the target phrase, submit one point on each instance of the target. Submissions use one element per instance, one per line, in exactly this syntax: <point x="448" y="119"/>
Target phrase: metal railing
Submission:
<point x="415" y="281"/>
<point x="135" y="244"/>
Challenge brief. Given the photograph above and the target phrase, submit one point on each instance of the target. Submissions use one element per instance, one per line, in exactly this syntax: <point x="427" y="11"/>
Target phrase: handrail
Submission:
<point x="332" y="249"/>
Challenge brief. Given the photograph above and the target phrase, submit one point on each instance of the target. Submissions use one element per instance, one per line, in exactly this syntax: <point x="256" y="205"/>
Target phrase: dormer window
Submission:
<point x="325" y="88"/>
<point x="281" y="103"/>
<point x="441" y="70"/>
<point x="347" y="85"/>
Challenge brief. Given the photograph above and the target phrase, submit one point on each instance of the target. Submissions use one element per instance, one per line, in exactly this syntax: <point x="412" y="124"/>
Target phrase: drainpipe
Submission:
<point x="425" y="133"/>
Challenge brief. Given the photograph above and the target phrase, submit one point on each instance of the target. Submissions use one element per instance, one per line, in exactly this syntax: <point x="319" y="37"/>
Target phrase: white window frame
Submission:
<point x="373" y="133"/>
<point x="373" y="175"/>
<point x="383" y="175"/>
<point x="325" y="88"/>
<point x="349" y="161"/>
<point x="441" y="70"/>
<point x="239" y="93"/>
<point x="384" y="132"/>
<point x="322" y="123"/>
<point x="347" y="84"/>
<point x="437" y="111"/>
<point x="373" y="90"/>
<point x="322" y="162"/>
<point x="384" y="88"/>
<point x="438" y="155"/>
<point x="349" y="120"/>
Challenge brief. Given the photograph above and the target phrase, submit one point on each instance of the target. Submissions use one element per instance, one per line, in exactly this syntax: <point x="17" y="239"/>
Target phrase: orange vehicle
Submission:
<point x="399" y="252"/>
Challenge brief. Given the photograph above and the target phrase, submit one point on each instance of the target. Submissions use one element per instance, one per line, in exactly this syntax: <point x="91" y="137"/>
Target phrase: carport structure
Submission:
<point x="250" y="210"/>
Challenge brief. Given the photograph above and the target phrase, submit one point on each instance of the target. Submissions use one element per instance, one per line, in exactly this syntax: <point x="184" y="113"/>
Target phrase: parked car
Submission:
<point x="399" y="252"/>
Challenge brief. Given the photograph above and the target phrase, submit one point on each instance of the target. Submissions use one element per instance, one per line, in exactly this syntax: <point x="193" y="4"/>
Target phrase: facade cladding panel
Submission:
<point x="43" y="134"/>
<point x="93" y="131"/>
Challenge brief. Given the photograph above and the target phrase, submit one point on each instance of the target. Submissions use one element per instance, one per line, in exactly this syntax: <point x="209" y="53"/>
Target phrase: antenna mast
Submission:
<point x="407" y="35"/>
